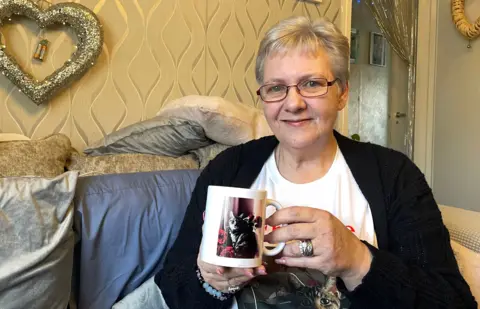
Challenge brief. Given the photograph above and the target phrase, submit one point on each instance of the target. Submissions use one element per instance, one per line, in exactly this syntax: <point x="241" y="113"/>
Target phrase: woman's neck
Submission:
<point x="306" y="165"/>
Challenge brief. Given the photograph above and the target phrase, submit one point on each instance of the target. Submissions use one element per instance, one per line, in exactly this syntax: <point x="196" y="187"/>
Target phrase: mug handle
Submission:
<point x="279" y="247"/>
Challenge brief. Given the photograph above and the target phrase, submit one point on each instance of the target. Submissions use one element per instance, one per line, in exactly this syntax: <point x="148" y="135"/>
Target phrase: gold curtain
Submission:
<point x="397" y="19"/>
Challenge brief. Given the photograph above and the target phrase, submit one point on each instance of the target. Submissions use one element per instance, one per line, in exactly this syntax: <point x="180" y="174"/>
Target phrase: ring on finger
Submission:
<point x="232" y="288"/>
<point x="306" y="247"/>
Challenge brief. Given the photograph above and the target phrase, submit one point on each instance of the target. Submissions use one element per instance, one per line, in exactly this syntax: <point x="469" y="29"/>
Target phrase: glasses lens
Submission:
<point x="273" y="92"/>
<point x="313" y="87"/>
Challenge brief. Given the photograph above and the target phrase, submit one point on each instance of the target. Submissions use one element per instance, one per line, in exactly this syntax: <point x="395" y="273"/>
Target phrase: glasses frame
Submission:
<point x="329" y="84"/>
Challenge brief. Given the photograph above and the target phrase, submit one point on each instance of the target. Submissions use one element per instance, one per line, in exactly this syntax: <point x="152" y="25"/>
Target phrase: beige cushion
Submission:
<point x="469" y="264"/>
<point x="224" y="122"/>
<point x="463" y="226"/>
<point x="44" y="157"/>
<point x="127" y="163"/>
<point x="206" y="154"/>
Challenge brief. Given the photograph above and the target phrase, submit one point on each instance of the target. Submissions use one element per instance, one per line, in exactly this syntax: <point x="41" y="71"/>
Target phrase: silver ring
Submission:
<point x="233" y="289"/>
<point x="306" y="247"/>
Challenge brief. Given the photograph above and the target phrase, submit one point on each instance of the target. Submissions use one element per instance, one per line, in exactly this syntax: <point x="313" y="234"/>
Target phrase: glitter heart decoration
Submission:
<point x="86" y="27"/>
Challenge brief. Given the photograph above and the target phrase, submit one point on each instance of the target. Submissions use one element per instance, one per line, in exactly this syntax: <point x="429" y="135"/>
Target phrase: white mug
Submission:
<point x="234" y="227"/>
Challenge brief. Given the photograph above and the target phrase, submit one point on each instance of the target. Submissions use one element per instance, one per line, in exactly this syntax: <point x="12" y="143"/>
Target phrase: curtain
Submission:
<point x="397" y="20"/>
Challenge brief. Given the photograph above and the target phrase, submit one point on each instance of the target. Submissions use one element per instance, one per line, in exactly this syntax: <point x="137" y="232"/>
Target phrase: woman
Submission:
<point x="363" y="228"/>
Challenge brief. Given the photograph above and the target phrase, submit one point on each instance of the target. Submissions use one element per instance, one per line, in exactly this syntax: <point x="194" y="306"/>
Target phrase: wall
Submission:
<point x="456" y="152"/>
<point x="369" y="84"/>
<point x="154" y="51"/>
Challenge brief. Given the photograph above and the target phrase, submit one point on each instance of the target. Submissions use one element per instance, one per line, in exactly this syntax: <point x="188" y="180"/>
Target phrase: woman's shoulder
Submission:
<point x="391" y="163"/>
<point x="252" y="153"/>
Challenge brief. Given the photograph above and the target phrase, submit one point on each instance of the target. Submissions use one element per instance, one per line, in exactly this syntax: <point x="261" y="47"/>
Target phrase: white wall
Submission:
<point x="456" y="152"/>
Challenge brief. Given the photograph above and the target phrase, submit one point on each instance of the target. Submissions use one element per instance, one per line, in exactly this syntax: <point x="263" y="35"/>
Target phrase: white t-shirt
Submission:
<point x="338" y="193"/>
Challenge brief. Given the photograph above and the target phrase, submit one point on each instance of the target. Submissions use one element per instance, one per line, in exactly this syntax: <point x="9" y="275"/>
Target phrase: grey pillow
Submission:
<point x="36" y="237"/>
<point x="169" y="136"/>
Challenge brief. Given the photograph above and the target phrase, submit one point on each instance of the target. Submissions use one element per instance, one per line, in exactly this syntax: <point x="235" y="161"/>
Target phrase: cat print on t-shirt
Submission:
<point x="293" y="289"/>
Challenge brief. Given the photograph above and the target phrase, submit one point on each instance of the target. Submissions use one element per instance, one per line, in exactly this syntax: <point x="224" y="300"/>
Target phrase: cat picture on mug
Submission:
<point x="237" y="236"/>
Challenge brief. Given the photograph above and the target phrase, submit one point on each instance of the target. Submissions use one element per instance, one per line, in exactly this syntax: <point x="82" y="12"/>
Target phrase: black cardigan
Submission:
<point x="414" y="266"/>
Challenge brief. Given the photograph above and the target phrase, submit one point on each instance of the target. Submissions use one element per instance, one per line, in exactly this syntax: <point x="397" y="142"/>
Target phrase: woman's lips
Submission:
<point x="297" y="123"/>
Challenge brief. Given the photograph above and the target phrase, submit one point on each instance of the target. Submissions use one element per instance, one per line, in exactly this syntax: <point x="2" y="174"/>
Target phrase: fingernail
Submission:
<point x="249" y="274"/>
<point x="262" y="272"/>
<point x="280" y="261"/>
<point x="219" y="271"/>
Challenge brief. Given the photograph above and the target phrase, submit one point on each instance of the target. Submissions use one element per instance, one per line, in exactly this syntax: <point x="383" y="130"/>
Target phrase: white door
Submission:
<point x="397" y="104"/>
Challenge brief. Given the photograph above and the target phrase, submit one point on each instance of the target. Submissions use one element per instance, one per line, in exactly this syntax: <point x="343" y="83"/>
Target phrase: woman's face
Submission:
<point x="296" y="121"/>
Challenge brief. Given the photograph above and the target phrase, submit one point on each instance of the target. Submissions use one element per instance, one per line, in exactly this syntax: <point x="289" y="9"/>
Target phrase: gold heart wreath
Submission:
<point x="89" y="33"/>
<point x="470" y="31"/>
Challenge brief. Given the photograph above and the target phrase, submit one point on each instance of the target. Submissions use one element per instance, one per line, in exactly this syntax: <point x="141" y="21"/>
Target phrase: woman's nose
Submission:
<point x="294" y="102"/>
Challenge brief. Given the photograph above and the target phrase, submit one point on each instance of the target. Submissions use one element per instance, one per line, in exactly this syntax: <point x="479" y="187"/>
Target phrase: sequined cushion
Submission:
<point x="43" y="157"/>
<point x="127" y="163"/>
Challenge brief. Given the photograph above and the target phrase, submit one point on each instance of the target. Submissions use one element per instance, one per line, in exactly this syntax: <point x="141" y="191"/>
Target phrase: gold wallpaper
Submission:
<point x="154" y="51"/>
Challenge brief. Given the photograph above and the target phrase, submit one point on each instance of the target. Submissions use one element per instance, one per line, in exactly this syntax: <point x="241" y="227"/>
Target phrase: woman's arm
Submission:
<point x="419" y="269"/>
<point x="178" y="280"/>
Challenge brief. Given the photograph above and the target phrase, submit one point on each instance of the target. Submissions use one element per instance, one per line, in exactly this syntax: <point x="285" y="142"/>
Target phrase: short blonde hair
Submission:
<point x="309" y="36"/>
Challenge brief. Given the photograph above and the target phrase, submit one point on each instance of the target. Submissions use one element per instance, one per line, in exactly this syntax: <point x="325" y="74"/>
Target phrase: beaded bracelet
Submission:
<point x="210" y="289"/>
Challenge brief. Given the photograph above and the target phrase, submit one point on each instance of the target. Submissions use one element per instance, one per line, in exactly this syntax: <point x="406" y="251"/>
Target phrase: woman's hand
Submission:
<point x="336" y="250"/>
<point x="222" y="278"/>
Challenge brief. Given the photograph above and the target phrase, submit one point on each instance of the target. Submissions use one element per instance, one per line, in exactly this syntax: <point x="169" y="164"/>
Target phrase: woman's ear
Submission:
<point x="343" y="96"/>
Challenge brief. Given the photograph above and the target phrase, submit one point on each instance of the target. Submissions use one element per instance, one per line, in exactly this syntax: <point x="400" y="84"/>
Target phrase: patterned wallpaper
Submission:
<point x="154" y="51"/>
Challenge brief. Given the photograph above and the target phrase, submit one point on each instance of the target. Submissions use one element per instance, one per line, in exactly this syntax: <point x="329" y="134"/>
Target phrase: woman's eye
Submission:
<point x="275" y="88"/>
<point x="313" y="84"/>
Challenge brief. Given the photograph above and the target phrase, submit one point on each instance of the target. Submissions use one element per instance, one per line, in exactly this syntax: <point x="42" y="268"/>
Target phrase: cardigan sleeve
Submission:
<point x="177" y="280"/>
<point x="419" y="269"/>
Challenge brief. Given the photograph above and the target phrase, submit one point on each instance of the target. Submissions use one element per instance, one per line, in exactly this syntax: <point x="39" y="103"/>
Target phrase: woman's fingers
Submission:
<point x="300" y="262"/>
<point x="292" y="232"/>
<point x="295" y="214"/>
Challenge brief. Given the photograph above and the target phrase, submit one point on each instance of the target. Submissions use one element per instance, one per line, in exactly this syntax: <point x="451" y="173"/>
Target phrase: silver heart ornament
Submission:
<point x="86" y="27"/>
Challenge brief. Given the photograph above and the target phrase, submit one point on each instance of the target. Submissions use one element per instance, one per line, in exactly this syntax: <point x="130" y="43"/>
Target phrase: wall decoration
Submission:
<point x="377" y="49"/>
<point x="89" y="34"/>
<point x="354" y="45"/>
<point x="468" y="30"/>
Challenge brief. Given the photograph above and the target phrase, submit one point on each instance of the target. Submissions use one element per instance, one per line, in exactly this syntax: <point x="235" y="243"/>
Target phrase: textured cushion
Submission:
<point x="128" y="163"/>
<point x="170" y="136"/>
<point x="463" y="226"/>
<point x="469" y="264"/>
<point x="224" y="122"/>
<point x="206" y="154"/>
<point x="127" y="223"/>
<point x="36" y="251"/>
<point x="45" y="157"/>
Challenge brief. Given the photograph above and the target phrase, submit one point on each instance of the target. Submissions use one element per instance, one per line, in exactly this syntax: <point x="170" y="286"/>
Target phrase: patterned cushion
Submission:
<point x="44" y="157"/>
<point x="463" y="226"/>
<point x="127" y="163"/>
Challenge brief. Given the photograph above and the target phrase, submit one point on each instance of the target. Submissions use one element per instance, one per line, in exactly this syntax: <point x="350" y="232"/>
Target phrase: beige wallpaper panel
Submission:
<point x="154" y="51"/>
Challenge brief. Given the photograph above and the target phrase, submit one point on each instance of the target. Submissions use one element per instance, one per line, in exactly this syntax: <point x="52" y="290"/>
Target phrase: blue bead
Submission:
<point x="205" y="285"/>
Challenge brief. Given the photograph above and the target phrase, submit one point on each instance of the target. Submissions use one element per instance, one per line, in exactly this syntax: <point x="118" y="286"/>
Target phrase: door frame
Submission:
<point x="345" y="26"/>
<point x="423" y="145"/>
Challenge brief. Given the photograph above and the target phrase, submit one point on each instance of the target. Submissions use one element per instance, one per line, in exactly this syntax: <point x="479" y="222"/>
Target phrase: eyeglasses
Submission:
<point x="309" y="88"/>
